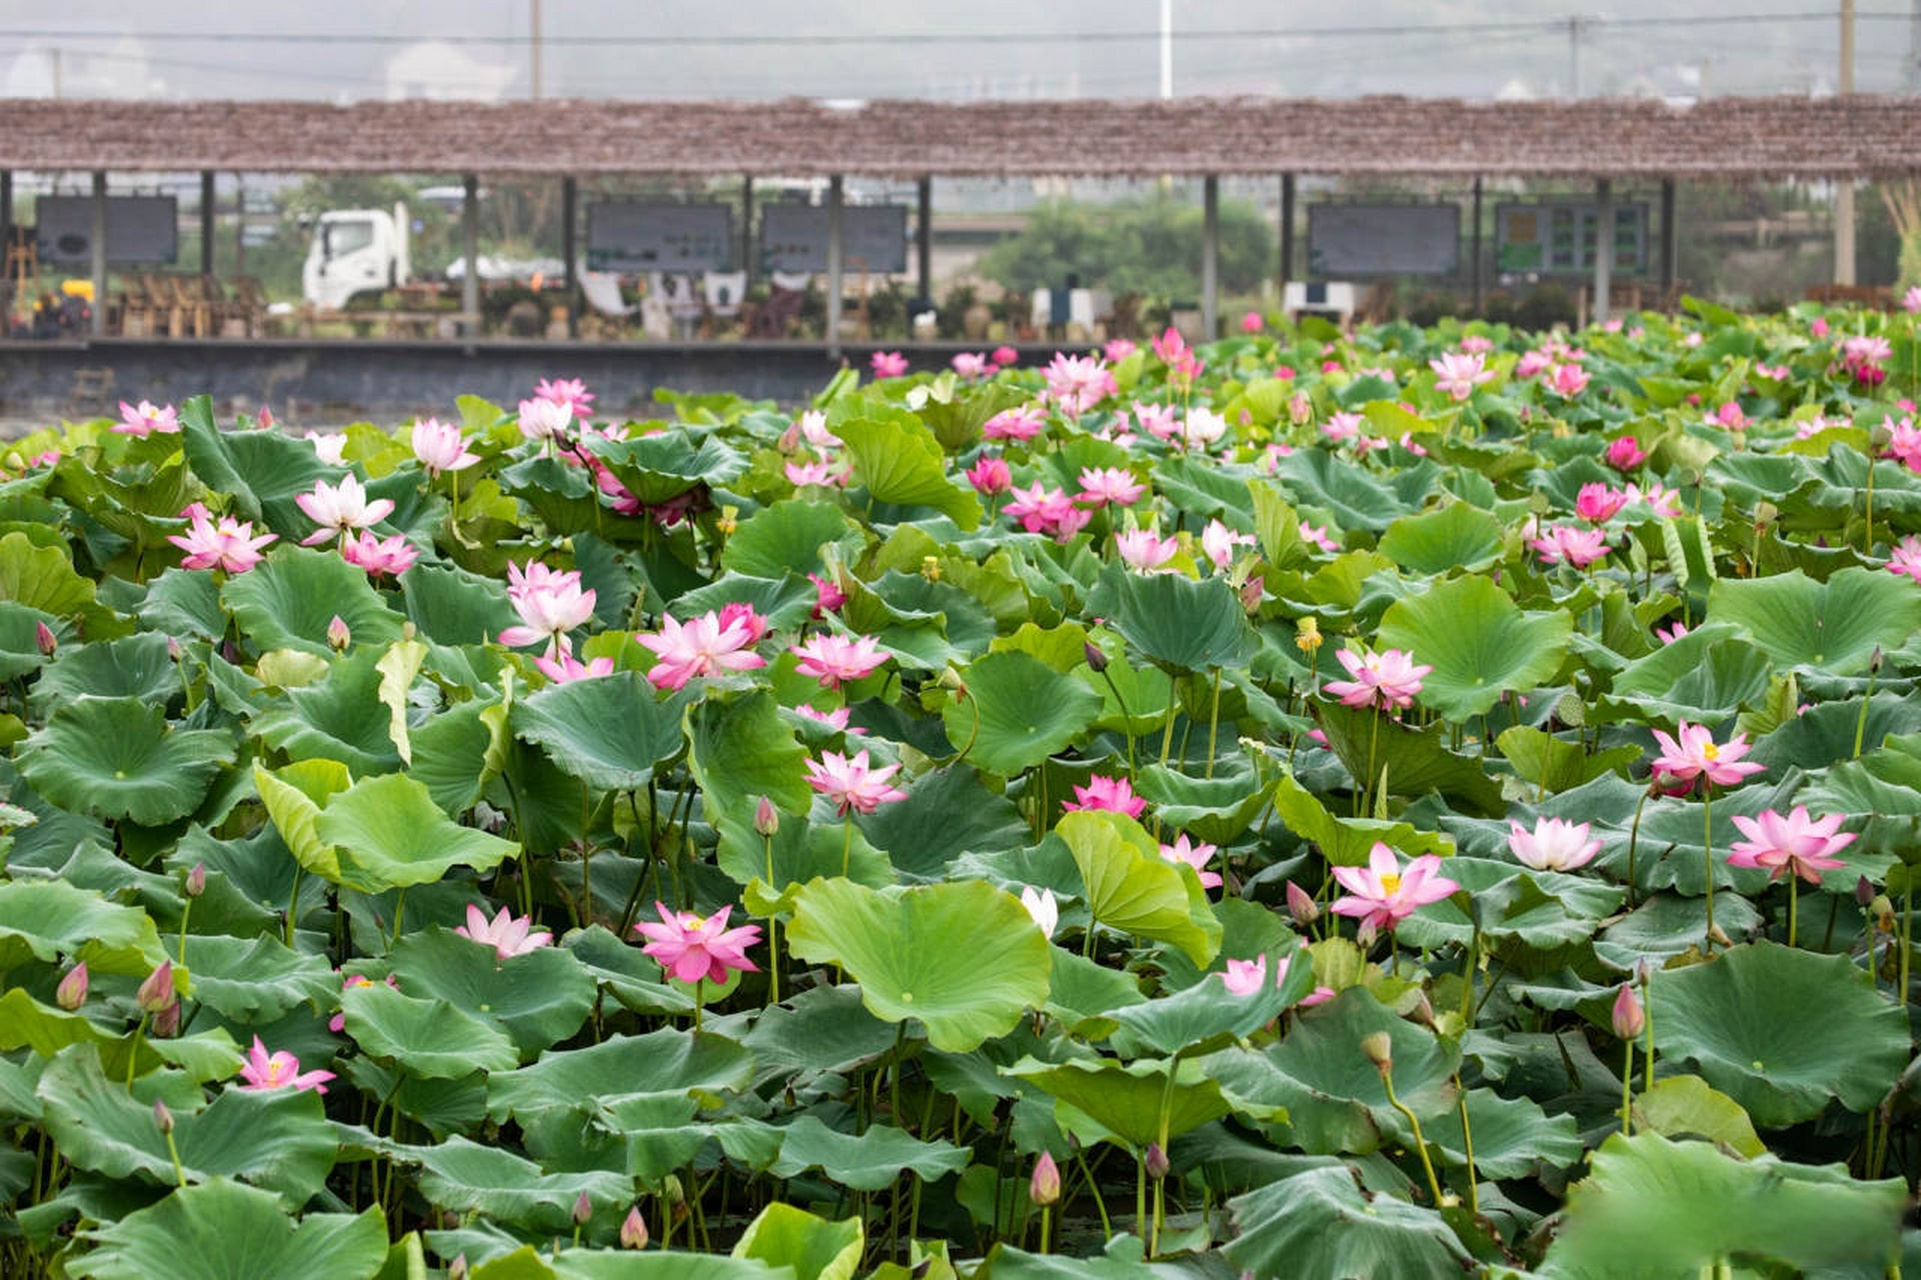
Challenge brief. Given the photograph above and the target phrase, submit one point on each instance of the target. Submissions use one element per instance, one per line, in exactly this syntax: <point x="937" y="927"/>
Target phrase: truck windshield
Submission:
<point x="343" y="238"/>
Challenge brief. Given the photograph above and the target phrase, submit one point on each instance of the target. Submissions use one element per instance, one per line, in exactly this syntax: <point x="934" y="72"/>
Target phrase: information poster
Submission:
<point x="1558" y="238"/>
<point x="139" y="228"/>
<point x="632" y="237"/>
<point x="873" y="237"/>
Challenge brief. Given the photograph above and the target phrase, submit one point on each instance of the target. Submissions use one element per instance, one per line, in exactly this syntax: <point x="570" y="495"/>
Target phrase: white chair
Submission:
<point x="724" y="291"/>
<point x="684" y="304"/>
<point x="601" y="289"/>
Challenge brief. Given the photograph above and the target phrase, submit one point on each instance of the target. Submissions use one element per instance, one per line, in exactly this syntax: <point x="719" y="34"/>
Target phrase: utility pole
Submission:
<point x="533" y="47"/>
<point x="1844" y="186"/>
<point x="1913" y="78"/>
<point x="1167" y="48"/>
<point x="1576" y="24"/>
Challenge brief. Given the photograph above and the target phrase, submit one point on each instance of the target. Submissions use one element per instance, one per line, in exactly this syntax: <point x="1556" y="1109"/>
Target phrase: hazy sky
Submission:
<point x="351" y="49"/>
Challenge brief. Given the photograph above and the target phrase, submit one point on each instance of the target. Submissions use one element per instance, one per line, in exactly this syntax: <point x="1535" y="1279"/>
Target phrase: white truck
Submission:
<point x="355" y="251"/>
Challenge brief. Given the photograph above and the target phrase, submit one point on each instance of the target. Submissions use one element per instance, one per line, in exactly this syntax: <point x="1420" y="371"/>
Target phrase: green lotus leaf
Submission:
<point x="1413" y="761"/>
<point x="630" y="976"/>
<point x="947" y="813"/>
<point x="20" y="638"/>
<point x="258" y="979"/>
<point x="865" y="1161"/>
<point x="815" y="1248"/>
<point x="562" y="497"/>
<point x="46" y="919"/>
<point x="1479" y="642"/>
<point x="1216" y="809"/>
<point x="1322" y="1222"/>
<point x="1726" y="1016"/>
<point x="612" y="732"/>
<point x="787" y="537"/>
<point x="1551" y="765"/>
<point x="136" y="666"/>
<point x="1132" y="888"/>
<point x="41" y="578"/>
<point x="568" y="1088"/>
<point x="261" y="471"/>
<point x="457" y="753"/>
<point x="429" y="1037"/>
<point x="225" y="1231"/>
<point x="1084" y="994"/>
<point x="1017" y="712"/>
<point x="1180" y="622"/>
<point x="742" y="750"/>
<point x="290" y="599"/>
<point x="901" y="462"/>
<point x="1356" y="500"/>
<point x="294" y="795"/>
<point x="824" y="1029"/>
<point x="666" y="464"/>
<point x="799" y="851"/>
<point x="391" y="834"/>
<point x="118" y="758"/>
<point x="787" y="601"/>
<point x="1543" y="909"/>
<point x="1653" y="1207"/>
<point x="452" y="606"/>
<point x="1457" y="536"/>
<point x="1513" y="1137"/>
<point x="1133" y="1102"/>
<point x="1207" y="1016"/>
<point x="1705" y="676"/>
<point x="280" y="1140"/>
<point x="1685" y="1107"/>
<point x="538" y="998"/>
<point x="1833" y="626"/>
<point x="469" y="1178"/>
<point x="339" y="718"/>
<point x="609" y="1264"/>
<point x="962" y="957"/>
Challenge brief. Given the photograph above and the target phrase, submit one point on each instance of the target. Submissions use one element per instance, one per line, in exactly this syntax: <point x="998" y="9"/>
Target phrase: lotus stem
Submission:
<point x="846" y="843"/>
<point x="1420" y="1142"/>
<point x="1213" y="722"/>
<point x="1907" y="936"/>
<point x="1467" y="1141"/>
<point x="1634" y="837"/>
<point x="773" y="930"/>
<point x="1627" y="1083"/>
<point x="293" y="903"/>
<point x="1100" y="1201"/>
<point x="1794" y="904"/>
<point x="1867" y="533"/>
<point x="400" y="912"/>
<point x="1127" y="720"/>
<point x="133" y="1055"/>
<point x="1707" y="853"/>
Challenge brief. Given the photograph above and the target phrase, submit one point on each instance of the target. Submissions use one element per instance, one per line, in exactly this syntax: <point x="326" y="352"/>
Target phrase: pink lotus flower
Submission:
<point x="1195" y="856"/>
<point x="740" y="613"/>
<point x="1627" y="1016"/>
<point x="1458" y="374"/>
<point x="990" y="475"/>
<point x="1597" y="504"/>
<point x="1245" y="977"/>
<point x="264" y="1071"/>
<point x="801" y="474"/>
<point x="546" y="420"/>
<point x="1669" y="635"/>
<point x="1042" y="510"/>
<point x="1078" y="383"/>
<point x="1911" y="300"/>
<point x="1006" y="357"/>
<point x="813" y="428"/>
<point x="1532" y="363"/>
<point x="1116" y="350"/>
<point x="1218" y="543"/>
<point x="835" y="719"/>
<point x="329" y="446"/>
<point x="835" y="659"/>
<point x="702" y="646"/>
<point x="1390" y="678"/>
<point x="339" y="509"/>
<point x="888" y="364"/>
<point x="693" y="947"/>
<point x="1252" y="322"/>
<point x="1818" y="327"/>
<point x="145" y="418"/>
<point x="393" y="555"/>
<point x="571" y="392"/>
<point x="550" y="604"/>
<point x="440" y="447"/>
<point x="1341" y="427"/>
<point x="1022" y="423"/>
<point x="1381" y="896"/>
<point x="1477" y="344"/>
<point x="1625" y="453"/>
<point x="1692" y="754"/>
<point x="1201" y="428"/>
<point x="828" y="597"/>
<point x="566" y="668"/>
<point x="1906" y="558"/>
<point x="1145" y="551"/>
<point x="1863" y="357"/>
<point x="1102" y="485"/>
<point x="1567" y="380"/>
<point x="1663" y="500"/>
<point x="1729" y="417"/>
<point x="509" y="935"/>
<point x="851" y="783"/>
<point x="1318" y="535"/>
<point x="226" y="544"/>
<point x="1554" y="845"/>
<point x="1564" y="544"/>
<point x="338" y="1023"/>
<point x="1115" y="795"/>
<point x="1041" y="907"/>
<point x="1796" y="844"/>
<point x="1162" y="421"/>
<point x="972" y="364"/>
<point x="1904" y="442"/>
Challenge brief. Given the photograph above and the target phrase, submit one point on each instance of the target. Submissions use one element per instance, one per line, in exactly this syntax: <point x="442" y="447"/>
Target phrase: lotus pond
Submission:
<point x="1408" y="803"/>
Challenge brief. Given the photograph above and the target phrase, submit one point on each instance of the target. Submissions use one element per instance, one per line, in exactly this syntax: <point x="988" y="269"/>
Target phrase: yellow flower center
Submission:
<point x="1711" y="751"/>
<point x="691" y="922"/>
<point x="1390" y="884"/>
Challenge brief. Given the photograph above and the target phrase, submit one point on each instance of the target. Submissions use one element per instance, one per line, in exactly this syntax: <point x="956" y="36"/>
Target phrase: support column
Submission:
<point x="6" y="243"/>
<point x="569" y="248"/>
<point x="1476" y="252"/>
<point x="239" y="225"/>
<point x="470" y="253"/>
<point x="1670" y="241"/>
<point x="1210" y="257"/>
<point x="747" y="262"/>
<point x="834" y="267"/>
<point x="1287" y="233"/>
<point x="99" y="252"/>
<point x="1603" y="247"/>
<point x="206" y="222"/>
<point x="924" y="236"/>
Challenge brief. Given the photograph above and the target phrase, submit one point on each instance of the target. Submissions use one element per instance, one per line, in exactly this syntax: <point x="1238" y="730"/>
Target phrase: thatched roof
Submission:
<point x="1855" y="136"/>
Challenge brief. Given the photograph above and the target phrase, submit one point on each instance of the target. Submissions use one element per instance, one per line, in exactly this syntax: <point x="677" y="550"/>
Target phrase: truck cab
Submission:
<point x="355" y="251"/>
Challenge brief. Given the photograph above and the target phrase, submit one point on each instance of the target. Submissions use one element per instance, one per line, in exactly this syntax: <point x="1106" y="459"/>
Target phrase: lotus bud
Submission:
<point x="457" y="1269"/>
<point x="1253" y="591"/>
<point x="766" y="819"/>
<point x="671" y="1191"/>
<point x="1863" y="892"/>
<point x="1765" y="513"/>
<point x="197" y="880"/>
<point x="44" y="639"/>
<point x="583" y="1209"/>
<point x="1045" y="1186"/>
<point x="162" y="1118"/>
<point x="265" y="423"/>
<point x="633" y="1230"/>
<point x="72" y="991"/>
<point x="930" y="568"/>
<point x="166" y="1023"/>
<point x="1629" y="1017"/>
<point x="1379" y="1048"/>
<point x="174" y="651"/>
<point x="1095" y="655"/>
<point x="157" y="992"/>
<point x="1874" y="661"/>
<point x="338" y="635"/>
<point x="1155" y="1161"/>
<point x="1301" y="906"/>
<point x="1300" y="409"/>
<point x="1308" y="634"/>
<point x="1720" y="936"/>
<point x="789" y="439"/>
<point x="728" y="522"/>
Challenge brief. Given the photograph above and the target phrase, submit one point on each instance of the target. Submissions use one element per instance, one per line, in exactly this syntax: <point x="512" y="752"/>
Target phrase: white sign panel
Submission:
<point x="1383" y="239"/>
<point x="139" y="228"/>
<point x="793" y="237"/>
<point x="1558" y="238"/>
<point x="633" y="237"/>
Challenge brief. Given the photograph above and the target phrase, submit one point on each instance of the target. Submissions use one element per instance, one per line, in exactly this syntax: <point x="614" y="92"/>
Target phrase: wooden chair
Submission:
<point x="774" y="317"/>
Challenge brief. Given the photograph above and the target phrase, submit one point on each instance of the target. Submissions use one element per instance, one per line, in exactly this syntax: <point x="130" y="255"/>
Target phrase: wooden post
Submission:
<point x="1287" y="233"/>
<point x="206" y="222"/>
<point x="1603" y="247"/>
<point x="1670" y="240"/>
<point x="6" y="252"/>
<point x="835" y="268"/>
<point x="747" y="263"/>
<point x="569" y="247"/>
<point x="1476" y="251"/>
<point x="470" y="251"/>
<point x="924" y="236"/>
<point x="99" y="253"/>
<point x="1210" y="257"/>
